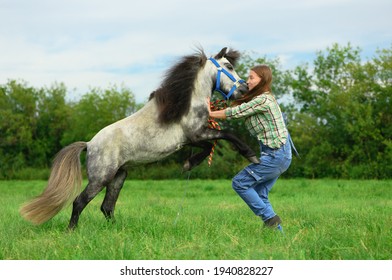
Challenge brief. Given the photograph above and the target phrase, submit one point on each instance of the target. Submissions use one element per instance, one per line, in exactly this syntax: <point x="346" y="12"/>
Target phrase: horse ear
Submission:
<point x="202" y="60"/>
<point x="222" y="53"/>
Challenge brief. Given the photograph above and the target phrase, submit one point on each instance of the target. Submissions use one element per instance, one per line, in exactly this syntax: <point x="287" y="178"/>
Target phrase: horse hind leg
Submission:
<point x="91" y="190"/>
<point x="112" y="192"/>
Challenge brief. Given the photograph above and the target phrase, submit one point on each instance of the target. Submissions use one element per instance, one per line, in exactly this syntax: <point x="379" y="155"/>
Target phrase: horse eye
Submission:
<point x="229" y="66"/>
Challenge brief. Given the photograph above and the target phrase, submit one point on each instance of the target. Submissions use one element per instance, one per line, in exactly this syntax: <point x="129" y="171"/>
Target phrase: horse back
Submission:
<point x="139" y="138"/>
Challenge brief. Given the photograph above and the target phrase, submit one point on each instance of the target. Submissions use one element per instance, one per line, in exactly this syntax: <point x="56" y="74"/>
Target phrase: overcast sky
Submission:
<point x="92" y="43"/>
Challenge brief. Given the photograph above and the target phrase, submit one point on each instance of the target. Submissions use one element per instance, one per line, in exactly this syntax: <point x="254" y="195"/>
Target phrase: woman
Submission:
<point x="264" y="120"/>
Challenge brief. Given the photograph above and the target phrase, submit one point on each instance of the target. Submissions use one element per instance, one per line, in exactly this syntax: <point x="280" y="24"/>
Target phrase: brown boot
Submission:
<point x="273" y="222"/>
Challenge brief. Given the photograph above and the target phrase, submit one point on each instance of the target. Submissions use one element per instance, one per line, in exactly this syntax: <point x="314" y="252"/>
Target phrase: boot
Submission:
<point x="275" y="223"/>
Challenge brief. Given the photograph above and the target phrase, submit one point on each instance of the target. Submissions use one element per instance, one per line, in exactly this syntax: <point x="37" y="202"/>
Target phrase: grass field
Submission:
<point x="201" y="219"/>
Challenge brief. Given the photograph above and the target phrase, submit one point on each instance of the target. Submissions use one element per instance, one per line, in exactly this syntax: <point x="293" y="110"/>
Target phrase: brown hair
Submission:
<point x="265" y="73"/>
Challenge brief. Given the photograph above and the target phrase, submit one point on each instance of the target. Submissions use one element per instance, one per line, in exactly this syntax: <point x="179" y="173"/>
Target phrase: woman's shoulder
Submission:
<point x="263" y="98"/>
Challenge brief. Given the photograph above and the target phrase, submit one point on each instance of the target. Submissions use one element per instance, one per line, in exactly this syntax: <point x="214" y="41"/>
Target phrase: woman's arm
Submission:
<point x="218" y="114"/>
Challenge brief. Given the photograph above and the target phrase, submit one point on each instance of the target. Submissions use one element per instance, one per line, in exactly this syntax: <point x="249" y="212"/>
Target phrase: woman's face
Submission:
<point x="253" y="79"/>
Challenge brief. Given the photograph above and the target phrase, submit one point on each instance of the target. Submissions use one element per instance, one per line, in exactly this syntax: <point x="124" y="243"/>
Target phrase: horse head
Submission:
<point x="227" y="82"/>
<point x="174" y="95"/>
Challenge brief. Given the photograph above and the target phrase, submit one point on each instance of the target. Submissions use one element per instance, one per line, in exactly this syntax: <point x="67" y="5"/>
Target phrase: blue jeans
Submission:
<point x="255" y="181"/>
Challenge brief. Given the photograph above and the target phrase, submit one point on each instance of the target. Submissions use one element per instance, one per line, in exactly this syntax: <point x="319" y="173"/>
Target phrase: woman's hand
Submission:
<point x="220" y="114"/>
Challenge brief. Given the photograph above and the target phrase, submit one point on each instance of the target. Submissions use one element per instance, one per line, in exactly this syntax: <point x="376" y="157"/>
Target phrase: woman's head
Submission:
<point x="259" y="81"/>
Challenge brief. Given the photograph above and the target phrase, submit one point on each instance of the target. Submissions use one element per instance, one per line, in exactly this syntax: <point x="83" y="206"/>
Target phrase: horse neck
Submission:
<point x="204" y="83"/>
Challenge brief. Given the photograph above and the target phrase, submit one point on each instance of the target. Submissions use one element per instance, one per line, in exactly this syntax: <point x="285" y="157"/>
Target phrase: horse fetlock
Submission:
<point x="72" y="225"/>
<point x="108" y="213"/>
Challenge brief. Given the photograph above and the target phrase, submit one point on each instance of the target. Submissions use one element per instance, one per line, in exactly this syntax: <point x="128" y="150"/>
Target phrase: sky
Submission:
<point x="89" y="44"/>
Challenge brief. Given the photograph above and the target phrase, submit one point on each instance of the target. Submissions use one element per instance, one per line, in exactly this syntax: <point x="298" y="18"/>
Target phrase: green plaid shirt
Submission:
<point x="263" y="119"/>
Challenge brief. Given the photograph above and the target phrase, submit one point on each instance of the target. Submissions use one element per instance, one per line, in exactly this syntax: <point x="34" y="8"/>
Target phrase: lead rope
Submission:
<point x="181" y="204"/>
<point x="212" y="123"/>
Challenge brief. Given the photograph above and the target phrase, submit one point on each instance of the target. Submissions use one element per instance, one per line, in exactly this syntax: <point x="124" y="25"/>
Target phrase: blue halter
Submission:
<point x="229" y="75"/>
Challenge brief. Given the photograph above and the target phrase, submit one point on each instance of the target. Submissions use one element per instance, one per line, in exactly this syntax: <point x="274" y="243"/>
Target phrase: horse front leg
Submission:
<point x="208" y="134"/>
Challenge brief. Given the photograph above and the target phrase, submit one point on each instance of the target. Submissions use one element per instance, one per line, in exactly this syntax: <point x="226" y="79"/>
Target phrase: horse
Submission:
<point x="175" y="115"/>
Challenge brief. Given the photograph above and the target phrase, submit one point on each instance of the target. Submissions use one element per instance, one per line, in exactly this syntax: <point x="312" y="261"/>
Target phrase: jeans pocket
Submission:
<point x="252" y="174"/>
<point x="247" y="178"/>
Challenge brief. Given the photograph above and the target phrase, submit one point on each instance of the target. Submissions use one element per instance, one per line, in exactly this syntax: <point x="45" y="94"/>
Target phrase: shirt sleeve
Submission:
<point x="255" y="106"/>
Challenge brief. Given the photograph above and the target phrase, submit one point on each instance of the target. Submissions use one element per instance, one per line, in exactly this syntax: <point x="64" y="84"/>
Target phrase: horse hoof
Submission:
<point x="254" y="160"/>
<point x="186" y="166"/>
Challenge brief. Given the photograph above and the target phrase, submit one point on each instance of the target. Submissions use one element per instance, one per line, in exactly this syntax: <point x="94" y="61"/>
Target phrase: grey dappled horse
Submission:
<point x="175" y="115"/>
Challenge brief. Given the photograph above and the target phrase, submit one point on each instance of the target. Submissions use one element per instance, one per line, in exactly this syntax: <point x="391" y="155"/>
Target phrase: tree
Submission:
<point x="36" y="123"/>
<point x="53" y="121"/>
<point x="18" y="108"/>
<point x="339" y="126"/>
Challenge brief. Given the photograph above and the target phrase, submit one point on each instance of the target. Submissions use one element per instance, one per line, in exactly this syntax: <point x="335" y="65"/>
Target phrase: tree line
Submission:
<point x="339" y="114"/>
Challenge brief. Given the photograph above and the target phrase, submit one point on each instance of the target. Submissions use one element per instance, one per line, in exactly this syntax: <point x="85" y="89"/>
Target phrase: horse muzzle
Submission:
<point x="242" y="89"/>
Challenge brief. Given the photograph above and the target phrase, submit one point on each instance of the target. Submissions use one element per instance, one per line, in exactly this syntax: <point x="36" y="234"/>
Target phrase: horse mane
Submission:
<point x="174" y="95"/>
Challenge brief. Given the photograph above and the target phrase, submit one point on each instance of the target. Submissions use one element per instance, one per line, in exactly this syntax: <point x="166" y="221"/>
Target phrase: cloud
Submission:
<point x="93" y="43"/>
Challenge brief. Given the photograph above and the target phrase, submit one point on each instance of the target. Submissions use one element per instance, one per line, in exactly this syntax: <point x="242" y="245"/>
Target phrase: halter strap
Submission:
<point x="221" y="70"/>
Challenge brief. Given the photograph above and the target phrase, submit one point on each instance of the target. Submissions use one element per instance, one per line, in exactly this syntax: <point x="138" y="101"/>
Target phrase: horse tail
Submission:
<point x="64" y="185"/>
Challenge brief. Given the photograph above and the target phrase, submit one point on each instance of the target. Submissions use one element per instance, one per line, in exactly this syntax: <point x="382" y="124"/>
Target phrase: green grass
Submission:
<point x="201" y="219"/>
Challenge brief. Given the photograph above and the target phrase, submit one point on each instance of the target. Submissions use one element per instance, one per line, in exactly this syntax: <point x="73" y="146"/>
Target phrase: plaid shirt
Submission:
<point x="263" y="119"/>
